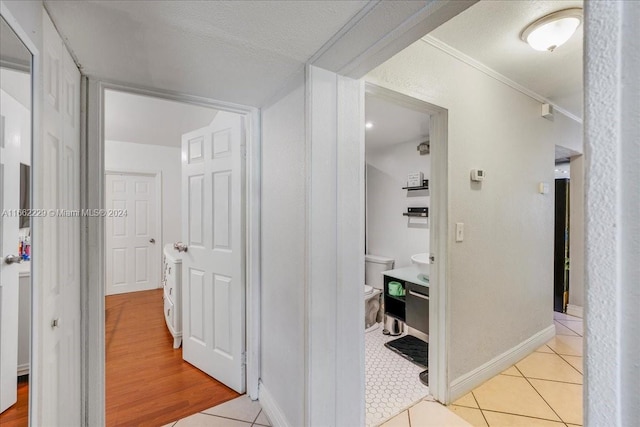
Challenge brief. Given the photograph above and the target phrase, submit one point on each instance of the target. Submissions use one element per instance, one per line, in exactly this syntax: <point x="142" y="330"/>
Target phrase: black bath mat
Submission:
<point x="411" y="348"/>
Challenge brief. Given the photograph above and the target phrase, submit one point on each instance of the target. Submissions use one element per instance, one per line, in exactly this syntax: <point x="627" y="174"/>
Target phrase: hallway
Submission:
<point x="544" y="389"/>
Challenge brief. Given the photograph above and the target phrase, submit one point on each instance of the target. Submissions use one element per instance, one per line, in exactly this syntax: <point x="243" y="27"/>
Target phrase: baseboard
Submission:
<point x="271" y="407"/>
<point x="23" y="369"/>
<point x="467" y="382"/>
<point x="574" y="310"/>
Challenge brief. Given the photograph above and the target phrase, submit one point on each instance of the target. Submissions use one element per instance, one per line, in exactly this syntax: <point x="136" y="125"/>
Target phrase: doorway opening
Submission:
<point x="175" y="256"/>
<point x="405" y="195"/>
<point x="15" y="227"/>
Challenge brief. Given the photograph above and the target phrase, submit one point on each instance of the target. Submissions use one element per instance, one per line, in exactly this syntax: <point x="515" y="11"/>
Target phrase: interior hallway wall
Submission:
<point x="388" y="232"/>
<point x="283" y="261"/>
<point x="501" y="276"/>
<point x="130" y="156"/>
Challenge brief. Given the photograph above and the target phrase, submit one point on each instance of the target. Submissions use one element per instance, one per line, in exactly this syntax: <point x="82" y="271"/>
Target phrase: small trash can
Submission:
<point x="392" y="326"/>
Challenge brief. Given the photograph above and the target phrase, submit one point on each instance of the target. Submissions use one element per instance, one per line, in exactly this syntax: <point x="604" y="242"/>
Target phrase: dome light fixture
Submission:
<point x="553" y="30"/>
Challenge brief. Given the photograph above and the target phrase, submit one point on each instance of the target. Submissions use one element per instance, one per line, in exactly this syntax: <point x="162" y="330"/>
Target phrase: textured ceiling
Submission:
<point x="146" y="120"/>
<point x="393" y="124"/>
<point x="489" y="32"/>
<point x="238" y="51"/>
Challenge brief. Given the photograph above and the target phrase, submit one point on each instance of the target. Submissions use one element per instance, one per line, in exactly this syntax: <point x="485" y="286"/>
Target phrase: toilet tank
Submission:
<point x="374" y="265"/>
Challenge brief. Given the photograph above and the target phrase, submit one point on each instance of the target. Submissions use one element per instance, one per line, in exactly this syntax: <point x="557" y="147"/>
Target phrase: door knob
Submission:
<point x="180" y="247"/>
<point x="152" y="240"/>
<point x="12" y="259"/>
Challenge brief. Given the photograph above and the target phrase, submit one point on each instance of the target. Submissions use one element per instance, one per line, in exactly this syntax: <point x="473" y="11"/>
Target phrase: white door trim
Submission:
<point x="159" y="202"/>
<point x="438" y="242"/>
<point x="93" y="236"/>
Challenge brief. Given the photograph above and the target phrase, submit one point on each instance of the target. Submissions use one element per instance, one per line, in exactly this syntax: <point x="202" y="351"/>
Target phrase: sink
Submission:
<point x="423" y="263"/>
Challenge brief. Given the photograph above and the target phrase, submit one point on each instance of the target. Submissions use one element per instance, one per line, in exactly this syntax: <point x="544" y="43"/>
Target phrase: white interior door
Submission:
<point x="10" y="139"/>
<point x="55" y="387"/>
<point x="132" y="233"/>
<point x="213" y="266"/>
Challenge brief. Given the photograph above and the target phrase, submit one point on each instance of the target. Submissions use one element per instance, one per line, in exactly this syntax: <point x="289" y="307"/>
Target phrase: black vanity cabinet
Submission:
<point x="417" y="307"/>
<point x="393" y="305"/>
<point x="413" y="307"/>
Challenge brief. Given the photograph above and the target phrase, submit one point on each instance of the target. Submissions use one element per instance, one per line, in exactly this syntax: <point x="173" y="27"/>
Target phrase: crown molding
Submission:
<point x="438" y="44"/>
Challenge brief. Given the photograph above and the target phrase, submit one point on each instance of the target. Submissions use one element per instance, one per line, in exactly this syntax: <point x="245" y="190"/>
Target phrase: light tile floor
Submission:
<point x="392" y="382"/>
<point x="543" y="389"/>
<point x="239" y="412"/>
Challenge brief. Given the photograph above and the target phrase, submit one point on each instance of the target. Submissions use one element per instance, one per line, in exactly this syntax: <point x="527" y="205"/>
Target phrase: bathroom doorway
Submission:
<point x="405" y="197"/>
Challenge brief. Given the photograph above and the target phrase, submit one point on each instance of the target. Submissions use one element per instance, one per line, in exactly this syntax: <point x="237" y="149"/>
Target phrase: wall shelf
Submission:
<point x="417" y="212"/>
<point x="424" y="186"/>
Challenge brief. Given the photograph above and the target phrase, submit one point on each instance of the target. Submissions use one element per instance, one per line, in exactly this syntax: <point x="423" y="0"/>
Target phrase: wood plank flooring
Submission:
<point x="18" y="414"/>
<point x="148" y="383"/>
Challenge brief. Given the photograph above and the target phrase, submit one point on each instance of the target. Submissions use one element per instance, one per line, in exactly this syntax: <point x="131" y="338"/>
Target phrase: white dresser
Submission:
<point x="172" y="283"/>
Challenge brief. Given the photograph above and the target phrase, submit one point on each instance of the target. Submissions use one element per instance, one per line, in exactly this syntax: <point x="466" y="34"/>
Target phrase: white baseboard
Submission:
<point x="23" y="369"/>
<point x="574" y="310"/>
<point x="467" y="382"/>
<point x="271" y="407"/>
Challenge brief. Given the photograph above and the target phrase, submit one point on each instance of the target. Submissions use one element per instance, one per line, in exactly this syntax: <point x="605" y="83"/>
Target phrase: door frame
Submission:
<point x="157" y="175"/>
<point x="439" y="321"/>
<point x="92" y="237"/>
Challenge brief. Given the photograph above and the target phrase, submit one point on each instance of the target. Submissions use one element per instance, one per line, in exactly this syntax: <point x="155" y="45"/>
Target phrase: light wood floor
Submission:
<point x="148" y="383"/>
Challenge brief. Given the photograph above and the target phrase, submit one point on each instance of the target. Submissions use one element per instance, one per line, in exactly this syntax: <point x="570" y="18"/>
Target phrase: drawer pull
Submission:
<point x="170" y="289"/>
<point x="419" y="295"/>
<point x="168" y="311"/>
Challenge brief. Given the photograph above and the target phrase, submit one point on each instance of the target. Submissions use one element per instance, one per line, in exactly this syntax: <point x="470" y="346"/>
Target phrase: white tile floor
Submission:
<point x="239" y="412"/>
<point x="392" y="383"/>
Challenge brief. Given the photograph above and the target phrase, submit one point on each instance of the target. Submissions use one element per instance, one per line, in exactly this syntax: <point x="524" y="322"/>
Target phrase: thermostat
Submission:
<point x="477" y="174"/>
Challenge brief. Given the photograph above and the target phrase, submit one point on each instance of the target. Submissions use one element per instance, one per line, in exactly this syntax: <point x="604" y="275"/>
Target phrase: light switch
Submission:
<point x="459" y="231"/>
<point x="543" y="188"/>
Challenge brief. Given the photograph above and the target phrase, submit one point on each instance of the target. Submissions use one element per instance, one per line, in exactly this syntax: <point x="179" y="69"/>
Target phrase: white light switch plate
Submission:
<point x="459" y="231"/>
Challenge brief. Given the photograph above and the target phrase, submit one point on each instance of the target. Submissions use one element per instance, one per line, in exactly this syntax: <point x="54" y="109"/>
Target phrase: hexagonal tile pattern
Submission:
<point x="392" y="382"/>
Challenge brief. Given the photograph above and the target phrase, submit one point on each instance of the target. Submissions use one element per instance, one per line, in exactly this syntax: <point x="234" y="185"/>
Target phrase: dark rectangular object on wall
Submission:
<point x="561" y="247"/>
<point x="25" y="194"/>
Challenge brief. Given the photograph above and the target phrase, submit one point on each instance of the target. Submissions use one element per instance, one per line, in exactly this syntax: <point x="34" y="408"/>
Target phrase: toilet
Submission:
<point x="374" y="284"/>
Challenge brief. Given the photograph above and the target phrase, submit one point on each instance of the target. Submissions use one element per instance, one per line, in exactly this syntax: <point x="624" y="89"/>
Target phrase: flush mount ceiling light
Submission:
<point x="368" y="125"/>
<point x="553" y="30"/>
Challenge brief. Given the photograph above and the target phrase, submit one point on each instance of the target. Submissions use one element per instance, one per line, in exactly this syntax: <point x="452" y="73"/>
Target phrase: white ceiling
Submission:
<point x="146" y="120"/>
<point x="239" y="51"/>
<point x="393" y="124"/>
<point x="489" y="32"/>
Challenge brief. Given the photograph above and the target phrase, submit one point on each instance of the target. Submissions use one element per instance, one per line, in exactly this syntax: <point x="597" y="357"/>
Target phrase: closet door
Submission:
<point x="56" y="384"/>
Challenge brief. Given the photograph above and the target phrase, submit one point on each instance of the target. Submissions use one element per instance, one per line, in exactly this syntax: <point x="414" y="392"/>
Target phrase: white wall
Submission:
<point x="11" y="107"/>
<point x="612" y="142"/>
<point x="283" y="253"/>
<point x="388" y="232"/>
<point x="130" y="156"/>
<point x="501" y="276"/>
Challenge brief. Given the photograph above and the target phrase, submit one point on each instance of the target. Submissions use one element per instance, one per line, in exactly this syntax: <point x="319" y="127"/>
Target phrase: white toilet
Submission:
<point x="374" y="284"/>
